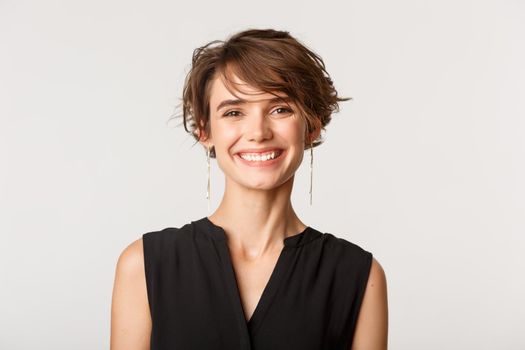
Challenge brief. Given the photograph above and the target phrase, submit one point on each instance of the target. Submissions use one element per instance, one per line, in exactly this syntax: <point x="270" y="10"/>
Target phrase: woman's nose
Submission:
<point x="258" y="127"/>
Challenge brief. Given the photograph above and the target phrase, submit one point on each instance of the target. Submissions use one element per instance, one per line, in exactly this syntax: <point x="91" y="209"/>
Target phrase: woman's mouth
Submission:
<point x="261" y="159"/>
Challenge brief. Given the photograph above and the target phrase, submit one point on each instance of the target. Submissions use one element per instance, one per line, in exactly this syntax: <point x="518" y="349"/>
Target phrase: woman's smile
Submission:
<point x="265" y="159"/>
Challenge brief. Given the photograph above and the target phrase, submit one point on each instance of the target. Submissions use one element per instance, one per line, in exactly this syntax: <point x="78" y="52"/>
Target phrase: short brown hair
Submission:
<point x="269" y="60"/>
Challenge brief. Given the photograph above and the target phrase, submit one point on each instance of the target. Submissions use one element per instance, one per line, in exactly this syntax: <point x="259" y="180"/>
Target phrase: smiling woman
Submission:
<point x="252" y="275"/>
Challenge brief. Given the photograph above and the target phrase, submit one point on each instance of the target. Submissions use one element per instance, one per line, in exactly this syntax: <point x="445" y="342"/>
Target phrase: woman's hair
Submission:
<point x="266" y="59"/>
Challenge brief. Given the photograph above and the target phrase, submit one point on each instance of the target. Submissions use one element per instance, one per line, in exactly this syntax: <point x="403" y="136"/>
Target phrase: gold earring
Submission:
<point x="208" y="186"/>
<point x="311" y="169"/>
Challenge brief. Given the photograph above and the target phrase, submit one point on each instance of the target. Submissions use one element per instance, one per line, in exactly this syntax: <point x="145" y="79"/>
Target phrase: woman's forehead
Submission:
<point x="241" y="91"/>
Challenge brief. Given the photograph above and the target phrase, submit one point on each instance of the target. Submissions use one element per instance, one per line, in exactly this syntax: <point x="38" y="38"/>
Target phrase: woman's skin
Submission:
<point x="255" y="212"/>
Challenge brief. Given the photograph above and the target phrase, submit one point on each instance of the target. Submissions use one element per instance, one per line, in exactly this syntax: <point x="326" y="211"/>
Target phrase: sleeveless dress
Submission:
<point x="310" y="302"/>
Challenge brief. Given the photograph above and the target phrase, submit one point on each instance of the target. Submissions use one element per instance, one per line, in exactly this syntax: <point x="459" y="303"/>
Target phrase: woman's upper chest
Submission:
<point x="252" y="277"/>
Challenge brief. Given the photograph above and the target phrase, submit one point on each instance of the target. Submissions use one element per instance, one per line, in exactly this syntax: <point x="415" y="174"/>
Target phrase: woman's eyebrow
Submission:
<point x="237" y="102"/>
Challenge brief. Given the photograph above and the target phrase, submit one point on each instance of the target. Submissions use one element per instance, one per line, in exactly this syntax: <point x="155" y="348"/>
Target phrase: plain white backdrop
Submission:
<point x="424" y="168"/>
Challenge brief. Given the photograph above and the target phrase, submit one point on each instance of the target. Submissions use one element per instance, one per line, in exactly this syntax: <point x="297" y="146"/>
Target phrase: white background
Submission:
<point x="424" y="168"/>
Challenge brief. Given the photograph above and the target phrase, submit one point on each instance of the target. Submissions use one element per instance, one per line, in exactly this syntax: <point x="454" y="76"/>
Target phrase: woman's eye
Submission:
<point x="229" y="114"/>
<point x="283" y="110"/>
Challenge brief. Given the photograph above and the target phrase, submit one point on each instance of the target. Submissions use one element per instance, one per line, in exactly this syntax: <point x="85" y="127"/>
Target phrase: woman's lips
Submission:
<point x="262" y="163"/>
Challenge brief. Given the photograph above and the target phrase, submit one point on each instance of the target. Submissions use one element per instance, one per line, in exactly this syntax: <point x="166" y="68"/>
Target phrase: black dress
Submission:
<point x="310" y="302"/>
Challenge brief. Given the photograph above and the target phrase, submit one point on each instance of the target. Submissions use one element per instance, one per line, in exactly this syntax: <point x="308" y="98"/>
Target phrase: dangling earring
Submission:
<point x="311" y="169"/>
<point x="208" y="187"/>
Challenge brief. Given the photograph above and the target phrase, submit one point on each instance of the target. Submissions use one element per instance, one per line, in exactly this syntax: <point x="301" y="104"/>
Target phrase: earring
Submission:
<point x="208" y="187"/>
<point x="311" y="169"/>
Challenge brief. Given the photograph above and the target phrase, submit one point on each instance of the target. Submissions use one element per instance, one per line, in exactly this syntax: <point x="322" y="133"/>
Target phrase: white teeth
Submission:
<point x="258" y="157"/>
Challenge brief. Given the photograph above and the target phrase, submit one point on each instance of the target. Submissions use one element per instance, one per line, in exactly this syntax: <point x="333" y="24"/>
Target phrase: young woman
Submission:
<point x="252" y="275"/>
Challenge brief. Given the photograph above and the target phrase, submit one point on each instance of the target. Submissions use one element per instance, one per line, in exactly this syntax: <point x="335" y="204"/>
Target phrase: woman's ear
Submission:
<point x="314" y="135"/>
<point x="203" y="138"/>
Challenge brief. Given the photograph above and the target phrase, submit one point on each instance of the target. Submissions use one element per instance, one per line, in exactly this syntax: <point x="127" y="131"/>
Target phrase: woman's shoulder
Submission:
<point x="130" y="325"/>
<point x="168" y="233"/>
<point x="131" y="259"/>
<point x="336" y="241"/>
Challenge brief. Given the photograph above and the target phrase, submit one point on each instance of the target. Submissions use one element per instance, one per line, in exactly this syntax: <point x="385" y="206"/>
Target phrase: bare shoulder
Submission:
<point x="131" y="260"/>
<point x="371" y="332"/>
<point x="377" y="277"/>
<point x="130" y="314"/>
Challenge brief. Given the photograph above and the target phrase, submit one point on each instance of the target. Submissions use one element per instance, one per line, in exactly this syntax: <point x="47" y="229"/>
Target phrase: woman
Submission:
<point x="252" y="275"/>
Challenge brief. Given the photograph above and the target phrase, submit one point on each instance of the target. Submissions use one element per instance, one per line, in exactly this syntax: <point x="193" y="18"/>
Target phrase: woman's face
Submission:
<point x="252" y="126"/>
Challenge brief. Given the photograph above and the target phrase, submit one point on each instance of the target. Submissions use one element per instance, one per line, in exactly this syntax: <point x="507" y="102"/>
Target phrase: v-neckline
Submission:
<point x="269" y="290"/>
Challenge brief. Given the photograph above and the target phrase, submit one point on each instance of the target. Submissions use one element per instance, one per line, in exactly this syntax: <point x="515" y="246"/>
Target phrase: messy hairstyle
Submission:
<point x="268" y="60"/>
